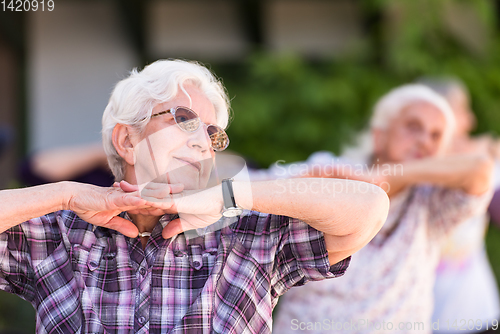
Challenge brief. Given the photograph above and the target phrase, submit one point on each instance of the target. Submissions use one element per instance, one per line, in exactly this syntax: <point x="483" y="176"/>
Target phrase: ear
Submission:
<point x="122" y="142"/>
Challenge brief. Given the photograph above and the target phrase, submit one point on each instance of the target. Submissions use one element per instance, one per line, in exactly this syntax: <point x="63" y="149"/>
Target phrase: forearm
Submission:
<point x="19" y="205"/>
<point x="67" y="162"/>
<point x="349" y="212"/>
<point x="470" y="173"/>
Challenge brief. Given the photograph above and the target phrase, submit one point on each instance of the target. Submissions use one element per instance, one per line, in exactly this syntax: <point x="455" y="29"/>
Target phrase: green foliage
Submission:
<point x="493" y="249"/>
<point x="16" y="315"/>
<point x="286" y="107"/>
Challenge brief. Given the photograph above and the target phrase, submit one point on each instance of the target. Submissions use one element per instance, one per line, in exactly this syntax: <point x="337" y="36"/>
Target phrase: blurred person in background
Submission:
<point x="113" y="259"/>
<point x="86" y="163"/>
<point x="465" y="287"/>
<point x="390" y="282"/>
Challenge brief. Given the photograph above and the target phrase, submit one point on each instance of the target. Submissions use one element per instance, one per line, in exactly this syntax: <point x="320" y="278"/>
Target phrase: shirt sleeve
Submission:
<point x="21" y="247"/>
<point x="16" y="272"/>
<point x="301" y="256"/>
<point x="449" y="207"/>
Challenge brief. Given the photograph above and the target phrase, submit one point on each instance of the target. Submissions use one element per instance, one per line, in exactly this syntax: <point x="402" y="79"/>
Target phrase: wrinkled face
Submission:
<point x="415" y="133"/>
<point x="168" y="153"/>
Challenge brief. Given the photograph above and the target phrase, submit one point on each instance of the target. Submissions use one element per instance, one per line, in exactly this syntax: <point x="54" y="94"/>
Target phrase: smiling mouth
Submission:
<point x="194" y="164"/>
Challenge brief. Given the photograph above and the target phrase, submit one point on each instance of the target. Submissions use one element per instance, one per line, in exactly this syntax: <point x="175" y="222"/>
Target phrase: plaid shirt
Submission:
<point x="82" y="279"/>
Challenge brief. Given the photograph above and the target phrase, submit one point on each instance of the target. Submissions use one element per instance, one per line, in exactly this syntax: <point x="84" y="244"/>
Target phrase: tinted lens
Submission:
<point x="187" y="119"/>
<point x="218" y="137"/>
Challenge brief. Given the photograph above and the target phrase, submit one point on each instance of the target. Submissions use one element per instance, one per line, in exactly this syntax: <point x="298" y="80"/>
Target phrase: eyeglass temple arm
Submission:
<point x="168" y="111"/>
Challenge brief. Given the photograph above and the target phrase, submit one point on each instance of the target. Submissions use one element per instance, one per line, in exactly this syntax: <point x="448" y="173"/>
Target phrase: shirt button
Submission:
<point x="142" y="320"/>
<point x="143" y="271"/>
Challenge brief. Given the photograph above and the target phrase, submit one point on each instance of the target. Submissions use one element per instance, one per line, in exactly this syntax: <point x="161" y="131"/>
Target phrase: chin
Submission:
<point x="194" y="183"/>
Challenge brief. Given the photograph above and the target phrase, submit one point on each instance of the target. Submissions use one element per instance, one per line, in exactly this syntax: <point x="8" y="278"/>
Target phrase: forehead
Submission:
<point x="195" y="99"/>
<point x="425" y="113"/>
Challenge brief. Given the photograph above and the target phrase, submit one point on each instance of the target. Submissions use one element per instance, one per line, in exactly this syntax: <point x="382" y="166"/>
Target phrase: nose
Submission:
<point x="426" y="143"/>
<point x="200" y="140"/>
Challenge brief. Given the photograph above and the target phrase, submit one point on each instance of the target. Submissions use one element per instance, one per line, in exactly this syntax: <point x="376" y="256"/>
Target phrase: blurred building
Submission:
<point x="71" y="57"/>
<point x="58" y="67"/>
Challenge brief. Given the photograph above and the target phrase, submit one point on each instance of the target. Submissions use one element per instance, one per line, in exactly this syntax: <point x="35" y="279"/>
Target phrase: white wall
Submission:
<point x="196" y="29"/>
<point x="315" y="28"/>
<point x="76" y="54"/>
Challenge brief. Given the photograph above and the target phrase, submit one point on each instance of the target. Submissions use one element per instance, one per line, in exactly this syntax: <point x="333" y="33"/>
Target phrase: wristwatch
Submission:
<point x="230" y="208"/>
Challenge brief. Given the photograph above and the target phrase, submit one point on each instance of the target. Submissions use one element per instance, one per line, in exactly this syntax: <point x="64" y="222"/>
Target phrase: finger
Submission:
<point x="154" y="212"/>
<point x="176" y="188"/>
<point x="146" y="212"/>
<point x="127" y="201"/>
<point x="116" y="184"/>
<point x="127" y="187"/>
<point x="172" y="188"/>
<point x="173" y="228"/>
<point x="158" y="194"/>
<point x="123" y="226"/>
<point x="163" y="203"/>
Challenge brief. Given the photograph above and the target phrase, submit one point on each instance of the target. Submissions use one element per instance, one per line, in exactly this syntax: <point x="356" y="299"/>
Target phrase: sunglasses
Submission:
<point x="189" y="121"/>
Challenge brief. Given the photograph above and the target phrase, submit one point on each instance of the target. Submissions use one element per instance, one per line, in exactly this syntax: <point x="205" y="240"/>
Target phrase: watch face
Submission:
<point x="232" y="212"/>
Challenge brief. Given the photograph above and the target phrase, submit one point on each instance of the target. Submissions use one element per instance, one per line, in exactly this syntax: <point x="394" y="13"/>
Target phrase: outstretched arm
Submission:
<point x="66" y="163"/>
<point x="97" y="205"/>
<point x="469" y="172"/>
<point x="349" y="213"/>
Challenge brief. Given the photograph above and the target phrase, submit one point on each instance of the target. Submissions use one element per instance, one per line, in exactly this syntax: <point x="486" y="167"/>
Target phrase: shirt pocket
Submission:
<point x="98" y="267"/>
<point x="57" y="290"/>
<point x="87" y="264"/>
<point x="197" y="258"/>
<point x="102" y="286"/>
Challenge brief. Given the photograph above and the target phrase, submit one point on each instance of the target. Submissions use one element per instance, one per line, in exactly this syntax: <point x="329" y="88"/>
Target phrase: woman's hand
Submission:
<point x="196" y="208"/>
<point x="156" y="191"/>
<point x="101" y="206"/>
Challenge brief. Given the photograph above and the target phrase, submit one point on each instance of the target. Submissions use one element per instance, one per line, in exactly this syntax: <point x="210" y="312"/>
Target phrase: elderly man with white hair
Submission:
<point x="388" y="288"/>
<point x="117" y="260"/>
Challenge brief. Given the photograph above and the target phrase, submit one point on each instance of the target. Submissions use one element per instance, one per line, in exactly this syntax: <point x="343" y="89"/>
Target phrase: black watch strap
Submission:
<point x="228" y="194"/>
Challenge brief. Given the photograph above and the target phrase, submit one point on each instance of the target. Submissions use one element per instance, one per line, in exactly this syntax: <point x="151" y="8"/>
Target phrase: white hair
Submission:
<point x="388" y="107"/>
<point x="133" y="99"/>
<point x="392" y="103"/>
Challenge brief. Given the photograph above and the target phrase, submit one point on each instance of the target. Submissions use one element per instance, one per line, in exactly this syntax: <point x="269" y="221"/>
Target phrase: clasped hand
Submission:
<point x="101" y="206"/>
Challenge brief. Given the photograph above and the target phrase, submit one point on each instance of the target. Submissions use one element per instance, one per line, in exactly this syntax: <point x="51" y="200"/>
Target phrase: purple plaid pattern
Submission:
<point x="82" y="279"/>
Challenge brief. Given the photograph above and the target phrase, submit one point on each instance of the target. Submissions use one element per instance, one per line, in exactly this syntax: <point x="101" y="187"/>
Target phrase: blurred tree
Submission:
<point x="287" y="107"/>
<point x="15" y="316"/>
